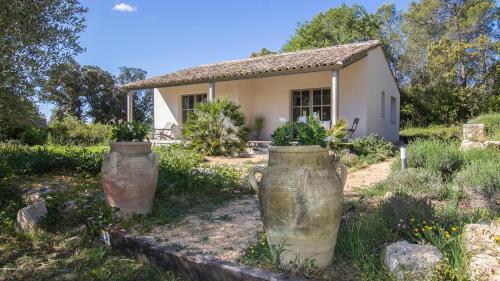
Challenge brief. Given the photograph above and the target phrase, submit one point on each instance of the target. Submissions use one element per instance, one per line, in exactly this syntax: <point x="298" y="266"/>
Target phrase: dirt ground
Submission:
<point x="228" y="231"/>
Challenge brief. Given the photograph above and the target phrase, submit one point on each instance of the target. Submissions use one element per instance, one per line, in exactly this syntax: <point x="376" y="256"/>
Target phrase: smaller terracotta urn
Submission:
<point x="130" y="176"/>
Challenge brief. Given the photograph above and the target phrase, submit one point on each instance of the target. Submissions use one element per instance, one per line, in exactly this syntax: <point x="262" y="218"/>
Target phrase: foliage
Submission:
<point x="311" y="132"/>
<point x="283" y="135"/>
<point x="447" y="133"/>
<point x="90" y="93"/>
<point x="31" y="42"/>
<point x="373" y="146"/>
<point x="29" y="160"/>
<point x="18" y="116"/>
<point x="481" y="175"/>
<point x="340" y="25"/>
<point x="33" y="135"/>
<point x="259" y="123"/>
<point x="338" y="131"/>
<point x="491" y="123"/>
<point x="435" y="155"/>
<point x="11" y="202"/>
<point x="417" y="182"/>
<point x="129" y="131"/>
<point x="216" y="128"/>
<point x="262" y="52"/>
<point x="71" y="131"/>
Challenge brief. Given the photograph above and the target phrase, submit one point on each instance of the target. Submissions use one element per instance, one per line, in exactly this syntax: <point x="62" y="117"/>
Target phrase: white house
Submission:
<point x="349" y="81"/>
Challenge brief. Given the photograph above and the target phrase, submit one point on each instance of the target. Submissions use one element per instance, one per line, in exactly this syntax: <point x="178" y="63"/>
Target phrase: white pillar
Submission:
<point x="130" y="106"/>
<point x="335" y="96"/>
<point x="211" y="91"/>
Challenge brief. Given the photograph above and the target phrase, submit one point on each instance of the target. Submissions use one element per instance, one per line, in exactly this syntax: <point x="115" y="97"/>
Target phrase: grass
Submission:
<point x="441" y="132"/>
<point x="492" y="124"/>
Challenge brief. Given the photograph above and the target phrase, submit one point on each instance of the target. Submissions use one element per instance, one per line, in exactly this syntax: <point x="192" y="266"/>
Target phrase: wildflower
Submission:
<point x="282" y="120"/>
<point x="497" y="238"/>
<point x="453" y="229"/>
<point x="424" y="222"/>
<point x="412" y="220"/>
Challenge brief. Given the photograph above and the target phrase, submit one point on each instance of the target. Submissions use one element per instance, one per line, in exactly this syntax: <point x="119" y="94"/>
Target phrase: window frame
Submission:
<point x="310" y="106"/>
<point x="382" y="105"/>
<point x="394" y="110"/>
<point x="183" y="110"/>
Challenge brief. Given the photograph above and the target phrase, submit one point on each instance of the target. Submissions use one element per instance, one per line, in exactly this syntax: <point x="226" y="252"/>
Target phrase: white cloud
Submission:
<point x="123" y="7"/>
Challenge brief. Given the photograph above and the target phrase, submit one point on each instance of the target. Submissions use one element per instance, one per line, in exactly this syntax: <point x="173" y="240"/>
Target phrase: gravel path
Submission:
<point x="228" y="231"/>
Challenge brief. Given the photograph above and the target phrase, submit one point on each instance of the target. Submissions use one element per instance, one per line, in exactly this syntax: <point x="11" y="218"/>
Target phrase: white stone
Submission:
<point x="411" y="261"/>
<point x="474" y="132"/>
<point x="480" y="242"/>
<point x="29" y="216"/>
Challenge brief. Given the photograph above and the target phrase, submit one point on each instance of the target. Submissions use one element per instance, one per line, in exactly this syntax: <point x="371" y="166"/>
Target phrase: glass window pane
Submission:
<point x="204" y="98"/>
<point x="326" y="113"/>
<point x="326" y="97"/>
<point x="296" y="98"/>
<point x="295" y="114"/>
<point x="199" y="98"/>
<point x="305" y="98"/>
<point x="184" y="116"/>
<point x="304" y="111"/>
<point x="317" y="97"/>
<point x="317" y="111"/>
<point x="191" y="102"/>
<point x="185" y="102"/>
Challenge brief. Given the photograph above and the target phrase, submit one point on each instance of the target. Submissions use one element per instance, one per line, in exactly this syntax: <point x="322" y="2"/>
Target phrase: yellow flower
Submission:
<point x="453" y="229"/>
<point x="497" y="238"/>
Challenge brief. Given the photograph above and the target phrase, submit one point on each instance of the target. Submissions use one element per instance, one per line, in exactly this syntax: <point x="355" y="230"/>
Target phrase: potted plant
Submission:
<point x="301" y="193"/>
<point x="257" y="128"/>
<point x="130" y="170"/>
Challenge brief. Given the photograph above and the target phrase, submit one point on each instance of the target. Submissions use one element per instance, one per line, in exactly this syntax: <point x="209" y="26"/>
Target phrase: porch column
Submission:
<point x="335" y="96"/>
<point x="130" y="106"/>
<point x="211" y="91"/>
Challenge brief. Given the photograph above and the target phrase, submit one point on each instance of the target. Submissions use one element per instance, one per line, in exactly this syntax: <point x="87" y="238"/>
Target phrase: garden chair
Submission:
<point x="170" y="131"/>
<point x="350" y="132"/>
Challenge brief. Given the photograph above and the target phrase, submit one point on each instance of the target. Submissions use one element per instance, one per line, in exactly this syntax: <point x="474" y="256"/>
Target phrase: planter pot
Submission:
<point x="130" y="176"/>
<point x="301" y="197"/>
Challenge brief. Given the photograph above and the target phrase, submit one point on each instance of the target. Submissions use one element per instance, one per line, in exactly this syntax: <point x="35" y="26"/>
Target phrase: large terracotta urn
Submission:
<point x="301" y="197"/>
<point x="130" y="176"/>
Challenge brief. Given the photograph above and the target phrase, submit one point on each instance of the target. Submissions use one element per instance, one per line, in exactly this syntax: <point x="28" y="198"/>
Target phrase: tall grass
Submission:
<point x="447" y="133"/>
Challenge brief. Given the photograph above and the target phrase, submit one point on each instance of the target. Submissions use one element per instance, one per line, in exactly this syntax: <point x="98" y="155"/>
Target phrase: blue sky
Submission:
<point x="163" y="36"/>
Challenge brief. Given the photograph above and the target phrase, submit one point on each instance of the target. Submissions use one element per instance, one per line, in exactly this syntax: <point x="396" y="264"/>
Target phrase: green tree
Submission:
<point x="262" y="52"/>
<point x="339" y="25"/>
<point x="104" y="101"/>
<point x="35" y="34"/>
<point x="143" y="99"/>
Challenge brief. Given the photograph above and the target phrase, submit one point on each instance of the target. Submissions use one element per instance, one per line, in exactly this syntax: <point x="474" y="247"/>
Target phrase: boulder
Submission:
<point x="474" y="132"/>
<point x="411" y="261"/>
<point x="36" y="194"/>
<point x="480" y="240"/>
<point x="468" y="144"/>
<point x="29" y="216"/>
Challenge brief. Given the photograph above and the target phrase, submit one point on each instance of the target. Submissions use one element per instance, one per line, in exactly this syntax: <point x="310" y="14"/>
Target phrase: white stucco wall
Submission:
<point x="270" y="97"/>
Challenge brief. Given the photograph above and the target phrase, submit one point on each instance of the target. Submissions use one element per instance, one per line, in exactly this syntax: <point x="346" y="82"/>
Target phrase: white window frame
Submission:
<point x="382" y="105"/>
<point x="310" y="106"/>
<point x="183" y="110"/>
<point x="394" y="110"/>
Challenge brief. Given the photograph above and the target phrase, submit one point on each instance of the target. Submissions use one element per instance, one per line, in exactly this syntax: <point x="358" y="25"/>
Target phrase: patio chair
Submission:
<point x="170" y="131"/>
<point x="350" y="132"/>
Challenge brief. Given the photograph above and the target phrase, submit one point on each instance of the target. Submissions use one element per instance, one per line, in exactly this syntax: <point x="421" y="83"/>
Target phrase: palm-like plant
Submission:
<point x="216" y="128"/>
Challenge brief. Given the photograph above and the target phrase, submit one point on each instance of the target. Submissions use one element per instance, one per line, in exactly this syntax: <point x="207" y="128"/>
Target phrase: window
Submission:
<point x="188" y="103"/>
<point x="382" y="103"/>
<point x="394" y="110"/>
<point x="313" y="101"/>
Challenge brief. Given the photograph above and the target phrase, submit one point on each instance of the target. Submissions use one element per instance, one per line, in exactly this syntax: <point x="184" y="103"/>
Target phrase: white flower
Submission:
<point x="302" y="119"/>
<point x="328" y="139"/>
<point x="282" y="120"/>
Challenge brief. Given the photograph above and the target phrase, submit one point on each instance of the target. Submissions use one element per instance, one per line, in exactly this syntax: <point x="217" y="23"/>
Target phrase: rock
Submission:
<point x="28" y="217"/>
<point x="411" y="261"/>
<point x="36" y="194"/>
<point x="474" y="132"/>
<point x="68" y="206"/>
<point x="468" y="144"/>
<point x="480" y="242"/>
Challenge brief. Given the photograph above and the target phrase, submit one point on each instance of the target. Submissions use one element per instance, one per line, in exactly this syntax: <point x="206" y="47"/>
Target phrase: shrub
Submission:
<point x="416" y="181"/>
<point x="491" y="122"/>
<point x="71" y="131"/>
<point x="10" y="202"/>
<point x="283" y="135"/>
<point x="29" y="160"/>
<point x="432" y="132"/>
<point x="373" y="146"/>
<point x="33" y="136"/>
<point x="311" y="132"/>
<point x="480" y="175"/>
<point x="217" y="128"/>
<point x="129" y="131"/>
<point x="434" y="155"/>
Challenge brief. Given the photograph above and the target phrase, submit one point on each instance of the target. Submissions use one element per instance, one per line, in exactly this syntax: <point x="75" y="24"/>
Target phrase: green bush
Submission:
<point x="373" y="146"/>
<point x="434" y="155"/>
<point x="71" y="131"/>
<point x="217" y="128"/>
<point x="129" y="131"/>
<point x="491" y="122"/>
<point x="29" y="160"/>
<point x="418" y="182"/>
<point x="432" y="132"/>
<point x="480" y="175"/>
<point x="10" y="203"/>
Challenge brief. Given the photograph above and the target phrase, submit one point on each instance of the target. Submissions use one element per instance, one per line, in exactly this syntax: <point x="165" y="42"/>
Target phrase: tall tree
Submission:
<point x="35" y="34"/>
<point x="340" y="25"/>
<point x="104" y="101"/>
<point x="143" y="99"/>
<point x="390" y="35"/>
